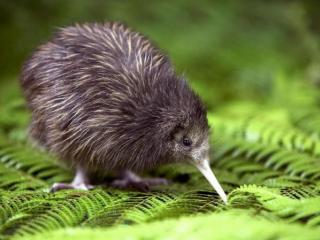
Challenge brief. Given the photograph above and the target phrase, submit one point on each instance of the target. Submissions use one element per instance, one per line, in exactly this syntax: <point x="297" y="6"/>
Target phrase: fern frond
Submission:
<point x="242" y="158"/>
<point x="54" y="211"/>
<point x="304" y="210"/>
<point x="307" y="120"/>
<point x="256" y="129"/>
<point x="233" y="224"/>
<point x="31" y="162"/>
<point x="155" y="206"/>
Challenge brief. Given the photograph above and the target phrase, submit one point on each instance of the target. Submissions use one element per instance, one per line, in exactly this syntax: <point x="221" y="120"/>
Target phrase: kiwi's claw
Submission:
<point x="132" y="181"/>
<point x="80" y="182"/>
<point x="60" y="186"/>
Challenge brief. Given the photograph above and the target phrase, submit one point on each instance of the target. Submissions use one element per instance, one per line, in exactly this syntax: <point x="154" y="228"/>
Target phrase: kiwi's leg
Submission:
<point x="128" y="179"/>
<point x="80" y="181"/>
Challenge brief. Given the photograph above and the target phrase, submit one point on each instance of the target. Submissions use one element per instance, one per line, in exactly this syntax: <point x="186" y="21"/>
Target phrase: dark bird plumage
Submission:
<point x="104" y="98"/>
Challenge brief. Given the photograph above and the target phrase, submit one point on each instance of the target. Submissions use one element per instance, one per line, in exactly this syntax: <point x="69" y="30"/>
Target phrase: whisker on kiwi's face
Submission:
<point x="192" y="146"/>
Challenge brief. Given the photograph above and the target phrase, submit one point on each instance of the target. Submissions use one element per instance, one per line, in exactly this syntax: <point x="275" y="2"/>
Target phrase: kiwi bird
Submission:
<point x="104" y="100"/>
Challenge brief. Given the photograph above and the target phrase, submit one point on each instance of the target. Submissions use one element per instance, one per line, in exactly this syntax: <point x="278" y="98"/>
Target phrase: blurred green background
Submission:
<point x="229" y="50"/>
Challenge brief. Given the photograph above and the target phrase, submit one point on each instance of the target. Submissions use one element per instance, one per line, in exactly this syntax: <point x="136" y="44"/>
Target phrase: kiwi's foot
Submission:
<point x="60" y="186"/>
<point x="80" y="182"/>
<point x="129" y="180"/>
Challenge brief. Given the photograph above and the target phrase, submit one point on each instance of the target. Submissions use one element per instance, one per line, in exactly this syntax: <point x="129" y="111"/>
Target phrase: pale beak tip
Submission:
<point x="224" y="198"/>
<point x="205" y="169"/>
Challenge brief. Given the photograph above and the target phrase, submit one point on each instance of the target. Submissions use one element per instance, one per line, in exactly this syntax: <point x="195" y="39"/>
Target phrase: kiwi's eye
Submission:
<point x="186" y="142"/>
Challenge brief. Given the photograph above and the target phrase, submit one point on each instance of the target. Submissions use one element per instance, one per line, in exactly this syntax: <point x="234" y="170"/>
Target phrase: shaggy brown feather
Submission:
<point x="103" y="97"/>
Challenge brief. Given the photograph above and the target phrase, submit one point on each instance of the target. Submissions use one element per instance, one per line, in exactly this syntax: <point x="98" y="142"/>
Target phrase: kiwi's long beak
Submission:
<point x="205" y="169"/>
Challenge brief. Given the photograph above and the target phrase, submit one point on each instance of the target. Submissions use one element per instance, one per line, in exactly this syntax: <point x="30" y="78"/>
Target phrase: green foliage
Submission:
<point x="214" y="226"/>
<point x="266" y="158"/>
